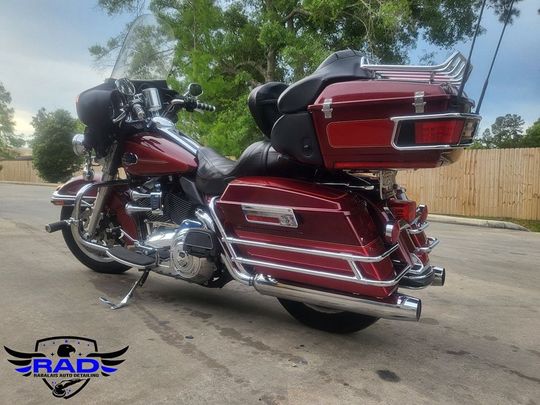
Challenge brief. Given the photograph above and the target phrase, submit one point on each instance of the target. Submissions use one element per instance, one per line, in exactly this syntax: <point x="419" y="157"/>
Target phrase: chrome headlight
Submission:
<point x="78" y="145"/>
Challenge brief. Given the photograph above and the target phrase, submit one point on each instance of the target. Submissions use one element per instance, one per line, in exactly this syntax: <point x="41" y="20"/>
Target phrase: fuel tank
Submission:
<point x="149" y="154"/>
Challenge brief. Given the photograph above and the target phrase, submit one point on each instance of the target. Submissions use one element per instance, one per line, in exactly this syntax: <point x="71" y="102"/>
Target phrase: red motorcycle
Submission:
<point x="312" y="215"/>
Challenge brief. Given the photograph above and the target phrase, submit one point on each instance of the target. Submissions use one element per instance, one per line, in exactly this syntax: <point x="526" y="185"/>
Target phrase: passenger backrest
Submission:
<point x="262" y="104"/>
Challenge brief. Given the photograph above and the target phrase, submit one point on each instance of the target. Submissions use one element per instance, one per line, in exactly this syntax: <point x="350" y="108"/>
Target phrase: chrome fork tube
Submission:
<point x="109" y="173"/>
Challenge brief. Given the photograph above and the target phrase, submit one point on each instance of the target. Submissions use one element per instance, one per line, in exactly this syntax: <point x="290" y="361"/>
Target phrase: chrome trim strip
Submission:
<point x="188" y="144"/>
<point x="397" y="306"/>
<point x="398" y="119"/>
<point x="432" y="242"/>
<point x="314" y="252"/>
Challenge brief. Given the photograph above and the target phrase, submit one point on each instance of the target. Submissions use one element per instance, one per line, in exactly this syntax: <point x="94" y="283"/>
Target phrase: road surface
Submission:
<point x="478" y="340"/>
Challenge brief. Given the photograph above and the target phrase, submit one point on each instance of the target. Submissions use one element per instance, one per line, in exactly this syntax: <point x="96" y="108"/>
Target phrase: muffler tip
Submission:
<point x="412" y="308"/>
<point x="439" y="276"/>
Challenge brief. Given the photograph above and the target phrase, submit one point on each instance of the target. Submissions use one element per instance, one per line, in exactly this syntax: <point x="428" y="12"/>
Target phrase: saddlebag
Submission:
<point x="307" y="234"/>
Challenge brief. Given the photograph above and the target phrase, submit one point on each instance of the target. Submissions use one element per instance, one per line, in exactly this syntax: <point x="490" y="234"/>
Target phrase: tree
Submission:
<point x="233" y="46"/>
<point x="53" y="155"/>
<point x="532" y="136"/>
<point x="506" y="132"/>
<point x="8" y="139"/>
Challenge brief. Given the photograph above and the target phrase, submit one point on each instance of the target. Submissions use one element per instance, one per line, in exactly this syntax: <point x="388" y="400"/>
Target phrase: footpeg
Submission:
<point x="131" y="258"/>
<point x="129" y="295"/>
<point x="57" y="226"/>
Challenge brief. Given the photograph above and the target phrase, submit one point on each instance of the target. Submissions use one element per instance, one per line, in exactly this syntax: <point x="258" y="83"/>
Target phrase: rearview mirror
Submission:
<point x="195" y="89"/>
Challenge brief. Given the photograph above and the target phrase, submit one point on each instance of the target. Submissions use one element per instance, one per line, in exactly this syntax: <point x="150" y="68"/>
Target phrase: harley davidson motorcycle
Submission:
<point x="311" y="215"/>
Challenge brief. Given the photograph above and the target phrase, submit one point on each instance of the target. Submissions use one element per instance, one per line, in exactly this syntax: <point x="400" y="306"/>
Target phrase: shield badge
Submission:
<point x="65" y="349"/>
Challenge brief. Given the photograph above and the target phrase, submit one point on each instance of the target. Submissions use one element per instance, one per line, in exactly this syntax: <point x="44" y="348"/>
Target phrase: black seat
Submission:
<point x="216" y="171"/>
<point x="341" y="66"/>
<point x="262" y="104"/>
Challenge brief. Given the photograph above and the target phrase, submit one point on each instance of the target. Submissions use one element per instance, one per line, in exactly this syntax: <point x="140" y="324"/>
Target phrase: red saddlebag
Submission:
<point x="305" y="233"/>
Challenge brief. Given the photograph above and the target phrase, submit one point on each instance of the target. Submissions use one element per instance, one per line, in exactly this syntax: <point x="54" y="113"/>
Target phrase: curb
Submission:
<point x="488" y="223"/>
<point x="23" y="183"/>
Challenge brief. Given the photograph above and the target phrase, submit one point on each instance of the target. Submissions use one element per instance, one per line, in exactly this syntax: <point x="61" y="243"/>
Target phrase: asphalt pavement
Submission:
<point x="478" y="341"/>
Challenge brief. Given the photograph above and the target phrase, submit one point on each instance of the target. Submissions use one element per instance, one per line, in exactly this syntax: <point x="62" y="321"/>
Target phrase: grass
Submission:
<point x="531" y="225"/>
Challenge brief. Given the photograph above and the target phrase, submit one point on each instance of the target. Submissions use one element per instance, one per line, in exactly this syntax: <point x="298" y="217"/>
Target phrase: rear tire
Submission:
<point x="327" y="319"/>
<point x="92" y="260"/>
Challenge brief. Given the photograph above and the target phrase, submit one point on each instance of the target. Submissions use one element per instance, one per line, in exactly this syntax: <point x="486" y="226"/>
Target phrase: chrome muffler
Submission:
<point x="439" y="276"/>
<point x="397" y="306"/>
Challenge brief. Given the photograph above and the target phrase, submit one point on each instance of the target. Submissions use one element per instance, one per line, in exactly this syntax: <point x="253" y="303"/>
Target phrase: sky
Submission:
<point x="44" y="58"/>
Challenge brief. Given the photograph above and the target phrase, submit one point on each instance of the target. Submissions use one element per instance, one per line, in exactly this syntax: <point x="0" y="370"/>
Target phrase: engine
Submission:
<point x="167" y="219"/>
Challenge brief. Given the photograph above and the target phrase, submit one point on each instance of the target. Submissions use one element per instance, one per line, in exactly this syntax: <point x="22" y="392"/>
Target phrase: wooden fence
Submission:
<point x="483" y="183"/>
<point x="19" y="170"/>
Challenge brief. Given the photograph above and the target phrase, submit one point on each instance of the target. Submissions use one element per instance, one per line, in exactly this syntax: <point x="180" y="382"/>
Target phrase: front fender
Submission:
<point x="65" y="194"/>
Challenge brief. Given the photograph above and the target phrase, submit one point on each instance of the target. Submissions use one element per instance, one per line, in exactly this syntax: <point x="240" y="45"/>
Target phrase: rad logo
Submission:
<point x="66" y="363"/>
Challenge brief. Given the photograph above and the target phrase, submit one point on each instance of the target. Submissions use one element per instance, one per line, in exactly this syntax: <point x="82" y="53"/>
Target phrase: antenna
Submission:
<point x="468" y="64"/>
<point x="506" y="20"/>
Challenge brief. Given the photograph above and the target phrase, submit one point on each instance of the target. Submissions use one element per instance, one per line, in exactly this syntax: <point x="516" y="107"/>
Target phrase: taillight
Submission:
<point x="401" y="209"/>
<point x="444" y="132"/>
<point x="436" y="130"/>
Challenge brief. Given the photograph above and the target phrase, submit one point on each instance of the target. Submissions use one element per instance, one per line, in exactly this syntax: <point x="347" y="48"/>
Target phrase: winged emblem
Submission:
<point x="24" y="360"/>
<point x="66" y="363"/>
<point x="108" y="360"/>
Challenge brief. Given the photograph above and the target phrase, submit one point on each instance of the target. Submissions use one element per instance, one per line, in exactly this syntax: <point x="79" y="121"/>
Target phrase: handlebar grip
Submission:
<point x="205" y="107"/>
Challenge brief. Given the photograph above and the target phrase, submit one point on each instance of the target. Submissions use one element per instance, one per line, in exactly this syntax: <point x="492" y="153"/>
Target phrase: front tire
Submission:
<point x="327" y="319"/>
<point x="93" y="260"/>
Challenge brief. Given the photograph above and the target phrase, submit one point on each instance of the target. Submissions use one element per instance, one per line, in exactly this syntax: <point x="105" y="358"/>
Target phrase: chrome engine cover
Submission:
<point x="180" y="264"/>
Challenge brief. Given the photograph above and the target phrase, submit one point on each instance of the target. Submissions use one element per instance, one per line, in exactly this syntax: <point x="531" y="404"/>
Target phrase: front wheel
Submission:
<point x="96" y="261"/>
<point x="327" y="319"/>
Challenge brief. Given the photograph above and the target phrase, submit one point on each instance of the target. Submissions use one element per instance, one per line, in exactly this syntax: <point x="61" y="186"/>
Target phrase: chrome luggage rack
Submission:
<point x="450" y="71"/>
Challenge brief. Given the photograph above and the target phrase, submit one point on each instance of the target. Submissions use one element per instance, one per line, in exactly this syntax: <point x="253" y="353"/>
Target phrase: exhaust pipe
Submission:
<point x="439" y="276"/>
<point x="397" y="306"/>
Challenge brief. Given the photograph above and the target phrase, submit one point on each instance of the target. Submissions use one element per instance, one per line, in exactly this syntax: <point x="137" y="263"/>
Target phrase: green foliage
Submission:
<point x="8" y="139"/>
<point x="505" y="132"/>
<point x="53" y="156"/>
<point x="532" y="136"/>
<point x="232" y="46"/>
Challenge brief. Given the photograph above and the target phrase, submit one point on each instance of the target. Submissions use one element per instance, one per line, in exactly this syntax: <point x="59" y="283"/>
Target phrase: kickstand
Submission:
<point x="123" y="303"/>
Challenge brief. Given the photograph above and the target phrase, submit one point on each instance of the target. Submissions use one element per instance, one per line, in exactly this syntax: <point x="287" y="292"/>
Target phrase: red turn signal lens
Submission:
<point x="403" y="209"/>
<point x="440" y="132"/>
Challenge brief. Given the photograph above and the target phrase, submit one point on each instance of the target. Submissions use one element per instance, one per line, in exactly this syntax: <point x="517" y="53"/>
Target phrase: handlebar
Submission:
<point x="204" y="106"/>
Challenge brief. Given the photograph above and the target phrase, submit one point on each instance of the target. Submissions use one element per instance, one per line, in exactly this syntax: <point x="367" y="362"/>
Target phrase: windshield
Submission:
<point x="147" y="52"/>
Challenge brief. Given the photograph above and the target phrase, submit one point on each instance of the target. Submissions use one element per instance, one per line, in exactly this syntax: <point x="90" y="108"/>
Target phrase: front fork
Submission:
<point x="110" y="172"/>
